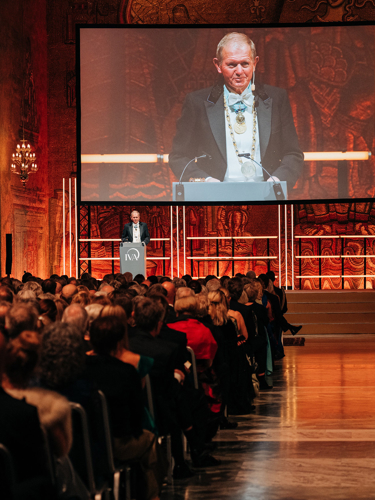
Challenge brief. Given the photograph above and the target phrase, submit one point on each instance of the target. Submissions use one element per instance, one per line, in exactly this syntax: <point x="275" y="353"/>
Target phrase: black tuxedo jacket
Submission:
<point x="127" y="233"/>
<point x="201" y="130"/>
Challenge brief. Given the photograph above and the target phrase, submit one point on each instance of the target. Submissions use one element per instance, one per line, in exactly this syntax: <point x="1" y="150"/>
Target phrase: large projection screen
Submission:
<point x="134" y="81"/>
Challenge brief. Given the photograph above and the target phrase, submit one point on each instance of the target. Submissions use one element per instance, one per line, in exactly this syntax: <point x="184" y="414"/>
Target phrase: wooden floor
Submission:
<point x="312" y="437"/>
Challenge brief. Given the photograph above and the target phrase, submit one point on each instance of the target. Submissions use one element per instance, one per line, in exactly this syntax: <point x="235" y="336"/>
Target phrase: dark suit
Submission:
<point x="21" y="433"/>
<point x="127" y="233"/>
<point x="201" y="130"/>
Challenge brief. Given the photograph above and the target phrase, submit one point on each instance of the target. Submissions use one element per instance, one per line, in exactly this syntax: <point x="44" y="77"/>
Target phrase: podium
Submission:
<point x="226" y="191"/>
<point x="132" y="258"/>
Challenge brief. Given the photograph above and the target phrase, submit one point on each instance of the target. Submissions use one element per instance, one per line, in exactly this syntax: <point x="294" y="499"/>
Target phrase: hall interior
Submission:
<point x="311" y="437"/>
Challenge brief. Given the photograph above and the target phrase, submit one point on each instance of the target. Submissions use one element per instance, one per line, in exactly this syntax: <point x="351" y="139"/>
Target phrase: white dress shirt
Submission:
<point x="136" y="233"/>
<point x="244" y="144"/>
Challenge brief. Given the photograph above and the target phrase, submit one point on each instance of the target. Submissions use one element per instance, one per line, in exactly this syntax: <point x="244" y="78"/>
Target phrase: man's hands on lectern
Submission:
<point x="212" y="179"/>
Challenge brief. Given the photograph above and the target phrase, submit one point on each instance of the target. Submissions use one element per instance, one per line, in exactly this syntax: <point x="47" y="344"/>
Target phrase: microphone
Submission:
<point x="180" y="191"/>
<point x="279" y="193"/>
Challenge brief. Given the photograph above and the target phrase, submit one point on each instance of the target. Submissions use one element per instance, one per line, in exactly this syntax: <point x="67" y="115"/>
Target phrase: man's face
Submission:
<point x="135" y="217"/>
<point x="236" y="66"/>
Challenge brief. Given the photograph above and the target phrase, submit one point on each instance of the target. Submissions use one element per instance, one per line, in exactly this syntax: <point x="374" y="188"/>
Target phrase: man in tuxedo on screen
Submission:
<point x="236" y="116"/>
<point x="136" y="231"/>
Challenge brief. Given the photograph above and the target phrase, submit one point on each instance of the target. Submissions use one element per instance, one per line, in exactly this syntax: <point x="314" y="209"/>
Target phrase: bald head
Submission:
<point x="68" y="291"/>
<point x="171" y="291"/>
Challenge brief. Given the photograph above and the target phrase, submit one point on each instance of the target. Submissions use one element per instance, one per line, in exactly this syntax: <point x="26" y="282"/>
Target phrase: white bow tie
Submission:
<point x="136" y="226"/>
<point x="246" y="97"/>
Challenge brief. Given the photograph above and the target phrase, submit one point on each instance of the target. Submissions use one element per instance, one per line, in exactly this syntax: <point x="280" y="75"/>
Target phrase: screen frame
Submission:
<point x="235" y="27"/>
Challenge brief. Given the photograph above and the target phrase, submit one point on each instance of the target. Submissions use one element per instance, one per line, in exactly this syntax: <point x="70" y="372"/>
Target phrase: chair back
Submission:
<point x="80" y="453"/>
<point x="150" y="401"/>
<point x="193" y="366"/>
<point x="7" y="474"/>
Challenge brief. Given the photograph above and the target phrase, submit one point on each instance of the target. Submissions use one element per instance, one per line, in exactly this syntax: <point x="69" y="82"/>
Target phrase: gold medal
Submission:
<point x="240" y="125"/>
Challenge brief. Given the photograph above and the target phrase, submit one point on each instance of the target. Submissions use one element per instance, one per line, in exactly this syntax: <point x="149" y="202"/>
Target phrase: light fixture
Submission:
<point x="23" y="161"/>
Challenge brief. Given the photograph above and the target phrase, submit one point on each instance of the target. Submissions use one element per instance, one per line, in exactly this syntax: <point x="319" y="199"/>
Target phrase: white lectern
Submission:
<point x="132" y="258"/>
<point x="228" y="191"/>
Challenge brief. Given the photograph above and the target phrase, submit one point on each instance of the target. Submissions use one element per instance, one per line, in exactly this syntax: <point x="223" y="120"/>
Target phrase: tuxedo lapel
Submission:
<point x="264" y="111"/>
<point x="215" y="114"/>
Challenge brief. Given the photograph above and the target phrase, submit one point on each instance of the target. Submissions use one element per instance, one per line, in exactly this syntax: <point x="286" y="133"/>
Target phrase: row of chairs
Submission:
<point x="101" y="476"/>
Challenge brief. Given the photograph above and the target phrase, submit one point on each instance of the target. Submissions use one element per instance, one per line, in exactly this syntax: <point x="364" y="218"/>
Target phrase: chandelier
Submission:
<point x="23" y="161"/>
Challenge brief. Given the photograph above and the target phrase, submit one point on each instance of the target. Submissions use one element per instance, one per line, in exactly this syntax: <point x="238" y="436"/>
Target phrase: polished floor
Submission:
<point x="311" y="437"/>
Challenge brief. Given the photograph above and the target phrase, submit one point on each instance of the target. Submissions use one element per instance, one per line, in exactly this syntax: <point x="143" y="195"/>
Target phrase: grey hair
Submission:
<point x="135" y="212"/>
<point x="234" y="36"/>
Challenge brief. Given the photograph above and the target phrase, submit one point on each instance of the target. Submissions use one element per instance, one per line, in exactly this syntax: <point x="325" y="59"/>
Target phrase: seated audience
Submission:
<point x="121" y="385"/>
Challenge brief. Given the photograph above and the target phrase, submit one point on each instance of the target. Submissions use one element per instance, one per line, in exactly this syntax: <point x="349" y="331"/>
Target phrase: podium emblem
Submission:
<point x="132" y="254"/>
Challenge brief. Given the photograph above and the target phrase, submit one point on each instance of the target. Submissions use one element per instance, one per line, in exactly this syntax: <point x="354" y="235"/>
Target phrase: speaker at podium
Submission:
<point x="132" y="258"/>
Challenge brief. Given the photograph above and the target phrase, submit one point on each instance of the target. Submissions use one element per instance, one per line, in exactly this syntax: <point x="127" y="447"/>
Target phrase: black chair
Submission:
<point x="193" y="366"/>
<point x="107" y="464"/>
<point x="81" y="455"/>
<point x="7" y="475"/>
<point x="167" y="438"/>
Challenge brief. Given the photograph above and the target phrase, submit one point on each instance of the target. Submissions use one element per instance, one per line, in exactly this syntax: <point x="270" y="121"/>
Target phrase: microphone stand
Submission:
<point x="180" y="190"/>
<point x="278" y="190"/>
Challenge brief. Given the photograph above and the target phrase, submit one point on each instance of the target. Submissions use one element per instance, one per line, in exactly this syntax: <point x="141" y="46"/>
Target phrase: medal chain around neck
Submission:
<point x="252" y="153"/>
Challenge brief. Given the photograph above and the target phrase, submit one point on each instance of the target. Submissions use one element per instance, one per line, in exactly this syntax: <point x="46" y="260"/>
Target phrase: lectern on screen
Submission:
<point x="149" y="123"/>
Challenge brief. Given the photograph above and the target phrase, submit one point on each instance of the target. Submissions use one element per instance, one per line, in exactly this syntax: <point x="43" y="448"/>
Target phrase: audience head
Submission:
<point x="62" y="355"/>
<point x="161" y="299"/>
<point x="213" y="284"/>
<point x="4" y="308"/>
<point x="128" y="276"/>
<point x="21" y="317"/>
<point x="218" y="309"/>
<point x="157" y="288"/>
<point x="171" y="291"/>
<point x="195" y="285"/>
<point x="21" y="359"/>
<point x="139" y="278"/>
<point x="179" y="282"/>
<point x="187" y="278"/>
<point x="252" y="291"/>
<point x="68" y="291"/>
<point x="82" y="298"/>
<point x="61" y="305"/>
<point x="184" y="292"/>
<point x="271" y="276"/>
<point x="186" y="305"/>
<point x="48" y="311"/>
<point x="148" y="315"/>
<point x="100" y="298"/>
<point x="49" y="286"/>
<point x="125" y="302"/>
<point x="224" y="281"/>
<point x="33" y="286"/>
<point x="76" y="316"/>
<point x="264" y="279"/>
<point x="93" y="311"/>
<point x="251" y="275"/>
<point x="235" y="288"/>
<point x="202" y="305"/>
<point x="6" y="294"/>
<point x="107" y="334"/>
<point x="114" y="310"/>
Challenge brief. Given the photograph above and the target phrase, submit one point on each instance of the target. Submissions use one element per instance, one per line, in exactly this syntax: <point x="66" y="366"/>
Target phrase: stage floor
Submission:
<point x="311" y="437"/>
